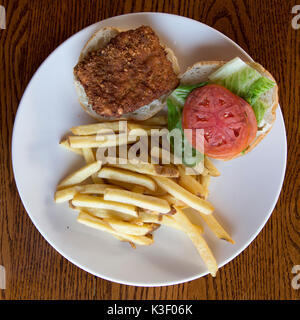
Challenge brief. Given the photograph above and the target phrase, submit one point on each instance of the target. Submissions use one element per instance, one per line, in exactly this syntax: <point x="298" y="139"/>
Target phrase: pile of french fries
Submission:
<point x="130" y="201"/>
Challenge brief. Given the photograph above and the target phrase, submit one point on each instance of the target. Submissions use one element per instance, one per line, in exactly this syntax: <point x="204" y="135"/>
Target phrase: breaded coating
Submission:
<point x="128" y="73"/>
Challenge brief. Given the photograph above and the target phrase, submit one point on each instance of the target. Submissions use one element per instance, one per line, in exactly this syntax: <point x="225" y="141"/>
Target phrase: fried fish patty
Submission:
<point x="128" y="73"/>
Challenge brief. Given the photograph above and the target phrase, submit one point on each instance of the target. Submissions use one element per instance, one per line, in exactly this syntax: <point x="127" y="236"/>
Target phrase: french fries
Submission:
<point x="115" y="126"/>
<point x="81" y="174"/>
<point x="129" y="228"/>
<point x="212" y="170"/>
<point x="198" y="241"/>
<point x="190" y="183"/>
<point x="106" y="213"/>
<point x="216" y="227"/>
<point x="127" y="176"/>
<point x="185" y="196"/>
<point x="205" y="181"/>
<point x="82" y="200"/>
<point x="173" y="201"/>
<point x="65" y="144"/>
<point x="130" y="200"/>
<point x="137" y="199"/>
<point x="99" y="224"/>
<point x="164" y="156"/>
<point x="97" y="141"/>
<point x="97" y="128"/>
<point x="67" y="194"/>
<point x="164" y="220"/>
<point x="149" y="169"/>
<point x="89" y="157"/>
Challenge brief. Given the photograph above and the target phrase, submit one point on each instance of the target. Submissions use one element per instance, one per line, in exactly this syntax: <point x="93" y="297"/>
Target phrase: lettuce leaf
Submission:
<point x="239" y="82"/>
<point x="238" y="77"/>
<point x="259" y="109"/>
<point x="257" y="88"/>
<point x="175" y="102"/>
<point x="227" y="69"/>
<point x="180" y="94"/>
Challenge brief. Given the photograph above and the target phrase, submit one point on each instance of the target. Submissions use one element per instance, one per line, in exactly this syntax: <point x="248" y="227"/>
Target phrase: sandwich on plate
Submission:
<point x="125" y="74"/>
<point x="131" y="75"/>
<point x="232" y="104"/>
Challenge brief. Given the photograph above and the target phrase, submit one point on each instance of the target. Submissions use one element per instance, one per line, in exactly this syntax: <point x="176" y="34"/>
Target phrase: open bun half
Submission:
<point x="200" y="71"/>
<point x="99" y="40"/>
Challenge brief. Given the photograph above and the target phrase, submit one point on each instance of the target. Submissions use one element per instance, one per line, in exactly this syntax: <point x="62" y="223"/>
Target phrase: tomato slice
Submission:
<point x="228" y="122"/>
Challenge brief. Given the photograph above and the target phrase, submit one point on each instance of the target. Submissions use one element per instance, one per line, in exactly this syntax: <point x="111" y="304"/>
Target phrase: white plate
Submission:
<point x="244" y="196"/>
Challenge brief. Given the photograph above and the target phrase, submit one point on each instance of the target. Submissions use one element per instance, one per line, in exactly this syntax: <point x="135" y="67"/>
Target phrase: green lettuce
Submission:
<point x="175" y="102"/>
<point x="240" y="81"/>
<point x="259" y="109"/>
<point x="257" y="88"/>
<point x="238" y="77"/>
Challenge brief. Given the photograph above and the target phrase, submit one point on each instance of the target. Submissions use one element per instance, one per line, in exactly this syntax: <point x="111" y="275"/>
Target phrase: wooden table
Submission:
<point x="34" y="270"/>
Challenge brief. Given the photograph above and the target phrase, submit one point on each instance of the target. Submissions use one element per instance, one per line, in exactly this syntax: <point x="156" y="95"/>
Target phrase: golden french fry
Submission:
<point x="216" y="227"/>
<point x="190" y="183"/>
<point x="164" y="220"/>
<point x="140" y="131"/>
<point x="212" y="170"/>
<point x="204" y="172"/>
<point x="98" y="141"/>
<point x="89" y="157"/>
<point x="106" y="213"/>
<point x="80" y="175"/>
<point x="97" y="128"/>
<point x="185" y="196"/>
<point x="157" y="193"/>
<point x="110" y="127"/>
<point x="121" y="184"/>
<point x="138" y="189"/>
<point x="173" y="201"/>
<point x="205" y="181"/>
<point x="128" y="227"/>
<point x="82" y="200"/>
<point x="67" y="194"/>
<point x="66" y="145"/>
<point x="137" y="199"/>
<point x="127" y="176"/>
<point x="165" y="156"/>
<point x="198" y="241"/>
<point x="97" y="223"/>
<point x="148" y="168"/>
<point x="141" y="125"/>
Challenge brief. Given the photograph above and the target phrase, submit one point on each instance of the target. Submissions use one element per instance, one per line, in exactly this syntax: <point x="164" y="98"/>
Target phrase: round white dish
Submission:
<point x="244" y="195"/>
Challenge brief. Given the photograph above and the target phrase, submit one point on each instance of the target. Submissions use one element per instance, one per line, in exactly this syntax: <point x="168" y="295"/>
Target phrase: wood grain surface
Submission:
<point x="34" y="270"/>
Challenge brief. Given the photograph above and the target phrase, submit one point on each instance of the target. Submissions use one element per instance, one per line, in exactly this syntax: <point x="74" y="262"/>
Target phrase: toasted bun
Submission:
<point x="200" y="71"/>
<point x="99" y="40"/>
